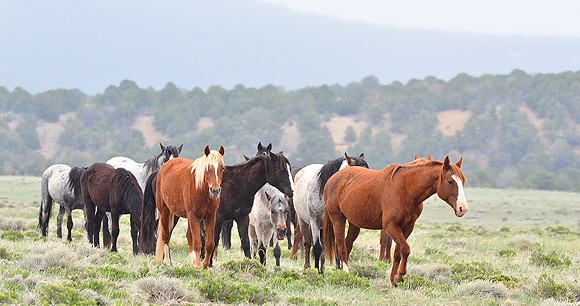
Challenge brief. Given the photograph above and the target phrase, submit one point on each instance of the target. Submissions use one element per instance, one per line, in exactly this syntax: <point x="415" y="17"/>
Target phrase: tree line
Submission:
<point x="501" y="146"/>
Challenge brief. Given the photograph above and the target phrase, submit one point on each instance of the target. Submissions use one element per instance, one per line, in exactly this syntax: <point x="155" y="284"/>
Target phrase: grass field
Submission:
<point x="513" y="247"/>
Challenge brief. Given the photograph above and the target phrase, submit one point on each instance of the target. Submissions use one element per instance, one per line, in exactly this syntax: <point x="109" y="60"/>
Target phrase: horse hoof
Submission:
<point x="399" y="279"/>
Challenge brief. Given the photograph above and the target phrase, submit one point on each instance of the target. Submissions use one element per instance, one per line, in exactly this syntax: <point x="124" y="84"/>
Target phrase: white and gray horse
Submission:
<point x="142" y="171"/>
<point x="269" y="215"/>
<point x="309" y="204"/>
<point x="61" y="184"/>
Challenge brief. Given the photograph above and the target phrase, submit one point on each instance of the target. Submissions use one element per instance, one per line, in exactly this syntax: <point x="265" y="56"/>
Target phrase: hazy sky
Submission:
<point x="528" y="17"/>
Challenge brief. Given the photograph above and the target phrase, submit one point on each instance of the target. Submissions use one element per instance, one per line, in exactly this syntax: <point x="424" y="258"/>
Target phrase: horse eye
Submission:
<point x="450" y="182"/>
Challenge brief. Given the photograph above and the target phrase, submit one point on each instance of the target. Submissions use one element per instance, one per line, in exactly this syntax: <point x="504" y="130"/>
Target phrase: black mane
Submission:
<point x="74" y="180"/>
<point x="331" y="167"/>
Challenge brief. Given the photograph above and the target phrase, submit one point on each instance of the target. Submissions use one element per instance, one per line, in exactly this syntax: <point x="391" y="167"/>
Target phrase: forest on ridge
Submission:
<point x="518" y="130"/>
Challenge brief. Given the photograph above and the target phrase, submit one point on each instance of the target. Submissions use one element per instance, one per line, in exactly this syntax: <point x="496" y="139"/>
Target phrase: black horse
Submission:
<point x="106" y="189"/>
<point x="239" y="185"/>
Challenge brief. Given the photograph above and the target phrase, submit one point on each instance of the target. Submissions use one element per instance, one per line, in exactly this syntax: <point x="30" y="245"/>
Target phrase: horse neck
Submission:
<point x="249" y="177"/>
<point x="421" y="181"/>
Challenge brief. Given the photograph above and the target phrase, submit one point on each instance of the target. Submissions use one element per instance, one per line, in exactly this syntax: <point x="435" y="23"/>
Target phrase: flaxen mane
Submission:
<point x="202" y="164"/>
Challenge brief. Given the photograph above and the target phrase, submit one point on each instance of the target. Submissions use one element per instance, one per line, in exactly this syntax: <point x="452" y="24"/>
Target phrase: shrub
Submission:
<point x="299" y="300"/>
<point x="414" y="281"/>
<point x="559" y="230"/>
<point x="368" y="271"/>
<point x="506" y="253"/>
<point x="218" y="290"/>
<point x="116" y="258"/>
<point x="507" y="280"/>
<point x="288" y="278"/>
<point x="548" y="288"/>
<point x="344" y="279"/>
<point x="12" y="235"/>
<point x="482" y="288"/>
<point x="62" y="295"/>
<point x="431" y="271"/>
<point x="187" y="270"/>
<point x="472" y="271"/>
<point x="552" y="259"/>
<point x="455" y="228"/>
<point x="504" y="229"/>
<point x="252" y="267"/>
<point x="312" y="277"/>
<point x="13" y="224"/>
<point x="162" y="289"/>
<point x="522" y="243"/>
<point x="5" y="254"/>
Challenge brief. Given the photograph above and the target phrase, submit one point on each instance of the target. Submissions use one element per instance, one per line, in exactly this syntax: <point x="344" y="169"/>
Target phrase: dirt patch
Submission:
<point x="204" y="123"/>
<point x="452" y="121"/>
<point x="144" y="124"/>
<point x="290" y="139"/>
<point x="49" y="132"/>
<point x="337" y="127"/>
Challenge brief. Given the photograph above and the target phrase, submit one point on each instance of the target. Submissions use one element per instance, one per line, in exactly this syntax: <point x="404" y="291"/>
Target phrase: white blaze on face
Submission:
<point x="290" y="177"/>
<point x="461" y="200"/>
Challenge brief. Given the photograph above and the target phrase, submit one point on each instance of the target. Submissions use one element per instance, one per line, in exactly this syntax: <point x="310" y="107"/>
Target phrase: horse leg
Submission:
<point x="106" y="233"/>
<point x="194" y="240"/>
<point x="405" y="251"/>
<point x="163" y="233"/>
<point x="219" y="221"/>
<point x="253" y="240"/>
<point x="351" y="236"/>
<point x="386" y="242"/>
<point x="243" y="224"/>
<point x="338" y="223"/>
<point x="97" y="227"/>
<point x="69" y="222"/>
<point x="227" y="234"/>
<point x="317" y="250"/>
<point x="297" y="242"/>
<point x="277" y="252"/>
<point x="307" y="241"/>
<point x="135" y="233"/>
<point x="89" y="218"/>
<point x="289" y="233"/>
<point x="59" y="218"/>
<point x="402" y="249"/>
<point x="210" y="241"/>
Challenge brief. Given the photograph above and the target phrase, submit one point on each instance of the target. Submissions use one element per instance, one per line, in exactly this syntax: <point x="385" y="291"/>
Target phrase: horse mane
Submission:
<point x="202" y="164"/>
<point x="330" y="168"/>
<point x="130" y="190"/>
<point x="74" y="180"/>
<point x="151" y="165"/>
<point x="392" y="169"/>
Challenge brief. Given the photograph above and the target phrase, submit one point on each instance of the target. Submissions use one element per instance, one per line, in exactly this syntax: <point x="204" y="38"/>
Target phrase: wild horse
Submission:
<point x="60" y="183"/>
<point x="309" y="205"/>
<point x="240" y="184"/>
<point x="188" y="189"/>
<point x="106" y="189"/>
<point x="391" y="200"/>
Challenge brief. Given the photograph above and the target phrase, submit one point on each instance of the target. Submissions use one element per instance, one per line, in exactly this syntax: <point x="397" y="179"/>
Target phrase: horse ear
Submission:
<point x="179" y="149"/>
<point x="362" y="155"/>
<point x="446" y="162"/>
<point x="269" y="147"/>
<point x="349" y="160"/>
<point x="206" y="150"/>
<point x="247" y="158"/>
<point x="268" y="196"/>
<point x="428" y="157"/>
<point x="222" y="150"/>
<point x="416" y="157"/>
<point x="281" y="152"/>
<point x="162" y="147"/>
<point x="260" y="147"/>
<point x="459" y="162"/>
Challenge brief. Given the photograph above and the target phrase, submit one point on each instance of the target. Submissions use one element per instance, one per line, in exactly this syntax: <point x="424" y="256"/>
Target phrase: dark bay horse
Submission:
<point x="390" y="199"/>
<point x="188" y="189"/>
<point x="62" y="184"/>
<point x="240" y="184"/>
<point x="106" y="189"/>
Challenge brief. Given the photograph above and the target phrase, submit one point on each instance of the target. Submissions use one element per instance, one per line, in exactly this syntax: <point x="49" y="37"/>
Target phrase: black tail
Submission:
<point x="148" y="222"/>
<point x="45" y="205"/>
<point x="74" y="180"/>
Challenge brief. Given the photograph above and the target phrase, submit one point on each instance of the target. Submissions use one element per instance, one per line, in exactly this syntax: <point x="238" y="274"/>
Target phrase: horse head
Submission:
<point x="356" y="161"/>
<point x="450" y="186"/>
<point x="278" y="173"/>
<point x="279" y="213"/>
<point x="264" y="150"/>
<point x="168" y="153"/>
<point x="209" y="170"/>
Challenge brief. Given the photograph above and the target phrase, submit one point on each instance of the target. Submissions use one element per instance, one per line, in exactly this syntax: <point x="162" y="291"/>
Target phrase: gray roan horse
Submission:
<point x="269" y="215"/>
<point x="60" y="183"/>
<point x="309" y="204"/>
<point x="142" y="171"/>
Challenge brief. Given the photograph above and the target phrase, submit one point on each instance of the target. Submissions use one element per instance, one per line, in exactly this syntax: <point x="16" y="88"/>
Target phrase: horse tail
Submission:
<point x="74" y="180"/>
<point x="329" y="239"/>
<point x="148" y="222"/>
<point x="45" y="203"/>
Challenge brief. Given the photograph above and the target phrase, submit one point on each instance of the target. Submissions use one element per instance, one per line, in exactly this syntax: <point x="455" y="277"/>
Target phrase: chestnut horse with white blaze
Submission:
<point x="389" y="200"/>
<point x="189" y="189"/>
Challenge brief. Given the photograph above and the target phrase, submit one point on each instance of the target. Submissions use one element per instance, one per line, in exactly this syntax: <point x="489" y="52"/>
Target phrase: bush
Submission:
<point x="548" y="288"/>
<point x="299" y="300"/>
<point x="344" y="279"/>
<point x="12" y="235"/>
<point x="369" y="271"/>
<point x="414" y="281"/>
<point x="5" y="254"/>
<point x="552" y="259"/>
<point x="506" y="253"/>
<point x="187" y="270"/>
<point x="482" y="288"/>
<point x="252" y="267"/>
<point x="218" y="290"/>
<point x="472" y="271"/>
<point x="162" y="289"/>
<point x="51" y="294"/>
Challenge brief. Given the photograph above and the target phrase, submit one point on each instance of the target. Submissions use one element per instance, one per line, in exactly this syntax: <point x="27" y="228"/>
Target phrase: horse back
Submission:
<point x="95" y="184"/>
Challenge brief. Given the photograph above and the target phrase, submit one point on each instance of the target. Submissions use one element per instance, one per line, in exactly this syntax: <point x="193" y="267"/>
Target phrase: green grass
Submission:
<point x="514" y="247"/>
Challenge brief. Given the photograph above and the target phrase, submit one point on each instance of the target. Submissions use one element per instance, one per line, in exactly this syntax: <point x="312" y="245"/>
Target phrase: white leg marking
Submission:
<point x="166" y="258"/>
<point x="345" y="267"/>
<point x="192" y="257"/>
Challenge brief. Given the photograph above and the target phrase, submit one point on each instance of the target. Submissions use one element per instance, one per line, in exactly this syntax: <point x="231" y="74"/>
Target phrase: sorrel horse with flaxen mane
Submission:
<point x="188" y="189"/>
<point x="391" y="199"/>
<point x="106" y="189"/>
<point x="240" y="184"/>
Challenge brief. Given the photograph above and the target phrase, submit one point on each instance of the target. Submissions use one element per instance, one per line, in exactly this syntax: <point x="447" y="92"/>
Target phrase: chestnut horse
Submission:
<point x="188" y="189"/>
<point x="391" y="200"/>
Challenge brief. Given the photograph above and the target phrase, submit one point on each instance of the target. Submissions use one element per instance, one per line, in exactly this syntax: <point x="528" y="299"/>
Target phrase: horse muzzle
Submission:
<point x="214" y="193"/>
<point x="461" y="209"/>
<point x="281" y="233"/>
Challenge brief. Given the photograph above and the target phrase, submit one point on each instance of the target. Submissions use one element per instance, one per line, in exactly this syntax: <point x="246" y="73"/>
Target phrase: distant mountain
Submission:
<point x="89" y="45"/>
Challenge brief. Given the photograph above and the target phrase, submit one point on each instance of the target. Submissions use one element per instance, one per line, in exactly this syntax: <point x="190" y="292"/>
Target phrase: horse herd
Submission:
<point x="263" y="195"/>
